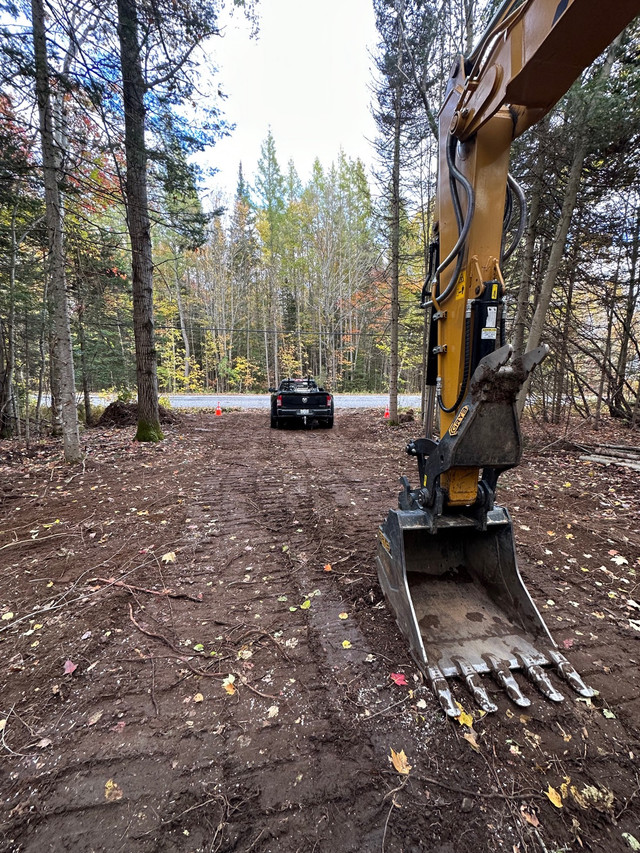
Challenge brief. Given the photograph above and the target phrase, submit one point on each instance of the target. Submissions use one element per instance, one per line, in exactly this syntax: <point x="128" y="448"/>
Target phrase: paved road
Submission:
<point x="261" y="401"/>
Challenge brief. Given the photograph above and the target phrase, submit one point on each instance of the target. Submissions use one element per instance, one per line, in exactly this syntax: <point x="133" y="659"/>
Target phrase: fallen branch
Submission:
<point x="204" y="673"/>
<point x="169" y="593"/>
<point x="494" y="795"/>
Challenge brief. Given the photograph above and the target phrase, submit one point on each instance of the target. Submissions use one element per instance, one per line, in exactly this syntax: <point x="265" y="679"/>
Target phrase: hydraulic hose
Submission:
<point x="456" y="177"/>
<point x="517" y="191"/>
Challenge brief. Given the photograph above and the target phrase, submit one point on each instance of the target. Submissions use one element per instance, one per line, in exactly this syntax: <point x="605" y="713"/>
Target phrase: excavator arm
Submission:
<point x="446" y="557"/>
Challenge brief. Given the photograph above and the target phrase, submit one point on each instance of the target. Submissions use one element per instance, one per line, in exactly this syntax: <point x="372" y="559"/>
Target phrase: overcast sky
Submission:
<point x="307" y="76"/>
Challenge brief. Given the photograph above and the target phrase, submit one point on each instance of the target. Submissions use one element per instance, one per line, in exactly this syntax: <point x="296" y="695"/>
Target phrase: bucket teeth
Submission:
<point x="441" y="689"/>
<point x="566" y="670"/>
<point x="539" y="677"/>
<point x="473" y="681"/>
<point x="503" y="676"/>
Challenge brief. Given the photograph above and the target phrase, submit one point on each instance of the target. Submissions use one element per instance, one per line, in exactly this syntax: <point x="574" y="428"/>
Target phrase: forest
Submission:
<point x="116" y="275"/>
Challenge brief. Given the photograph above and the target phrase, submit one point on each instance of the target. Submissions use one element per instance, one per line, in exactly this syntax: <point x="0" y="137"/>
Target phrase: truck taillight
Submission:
<point x="328" y="399"/>
<point x="279" y="400"/>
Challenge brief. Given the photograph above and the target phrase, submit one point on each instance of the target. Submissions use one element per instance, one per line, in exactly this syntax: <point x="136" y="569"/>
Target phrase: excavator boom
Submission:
<point x="446" y="557"/>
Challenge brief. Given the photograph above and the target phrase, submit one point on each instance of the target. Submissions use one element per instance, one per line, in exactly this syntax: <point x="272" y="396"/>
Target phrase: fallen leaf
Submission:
<point x="529" y="817"/>
<point x="7" y="616"/>
<point x="328" y="568"/>
<point x="112" y="791"/>
<point x="93" y="719"/>
<point x="305" y="605"/>
<point x="44" y="743"/>
<point x="3" y="723"/>
<point x="69" y="667"/>
<point x="601" y="799"/>
<point x="399" y="678"/>
<point x="346" y="644"/>
<point x="631" y="840"/>
<point x="198" y="697"/>
<point x="471" y="738"/>
<point x="464" y="719"/>
<point x="273" y="712"/>
<point x="554" y="796"/>
<point x="198" y="647"/>
<point x="619" y="560"/>
<point x="608" y="714"/>
<point x="399" y="761"/>
<point x="169" y="557"/>
<point x="343" y="615"/>
<point x="228" y="684"/>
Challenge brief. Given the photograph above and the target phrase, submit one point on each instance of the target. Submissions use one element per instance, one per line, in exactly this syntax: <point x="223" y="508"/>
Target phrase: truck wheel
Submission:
<point x="274" y="422"/>
<point x="328" y="422"/>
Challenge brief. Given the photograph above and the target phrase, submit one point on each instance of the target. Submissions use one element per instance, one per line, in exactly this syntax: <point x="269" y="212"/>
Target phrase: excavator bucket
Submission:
<point x="459" y="599"/>
<point x="451" y="576"/>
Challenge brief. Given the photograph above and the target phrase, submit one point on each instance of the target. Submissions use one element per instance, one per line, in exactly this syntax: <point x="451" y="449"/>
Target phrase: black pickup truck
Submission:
<point x="300" y="400"/>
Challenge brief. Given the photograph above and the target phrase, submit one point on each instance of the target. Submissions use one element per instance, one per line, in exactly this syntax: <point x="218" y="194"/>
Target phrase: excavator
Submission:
<point x="446" y="558"/>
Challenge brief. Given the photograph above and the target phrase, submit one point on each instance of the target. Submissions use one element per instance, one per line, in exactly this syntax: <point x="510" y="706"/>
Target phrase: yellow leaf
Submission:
<point x="464" y="719"/>
<point x="399" y="761"/>
<point x="305" y="605"/>
<point x="7" y="616"/>
<point x="169" y="557"/>
<point x="198" y="697"/>
<point x="471" y="738"/>
<point x="346" y="644"/>
<point x="554" y="796"/>
<point x="343" y="615"/>
<point x="550" y="533"/>
<point x="112" y="791"/>
<point x="228" y="684"/>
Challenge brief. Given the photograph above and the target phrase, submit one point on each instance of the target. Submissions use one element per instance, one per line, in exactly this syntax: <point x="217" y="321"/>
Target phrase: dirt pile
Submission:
<point x="120" y="415"/>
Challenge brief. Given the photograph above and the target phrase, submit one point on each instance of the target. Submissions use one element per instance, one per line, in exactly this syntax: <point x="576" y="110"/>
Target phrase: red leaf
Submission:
<point x="567" y="643"/>
<point x="398" y="678"/>
<point x="69" y="667"/>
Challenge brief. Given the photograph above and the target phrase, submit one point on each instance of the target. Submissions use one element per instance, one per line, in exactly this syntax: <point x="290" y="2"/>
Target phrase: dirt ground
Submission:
<point x="195" y="654"/>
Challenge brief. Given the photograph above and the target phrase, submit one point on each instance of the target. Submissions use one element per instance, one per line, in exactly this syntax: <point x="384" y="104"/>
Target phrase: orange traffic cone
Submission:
<point x="218" y="409"/>
<point x="386" y="412"/>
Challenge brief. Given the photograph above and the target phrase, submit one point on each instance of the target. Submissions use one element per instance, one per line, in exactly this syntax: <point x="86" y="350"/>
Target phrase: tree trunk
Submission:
<point x="61" y="327"/>
<point x="183" y="326"/>
<point x="619" y="402"/>
<point x="562" y="228"/>
<point x="83" y="362"/>
<point x="138" y="223"/>
<point x="395" y="236"/>
<point x="556" y="255"/>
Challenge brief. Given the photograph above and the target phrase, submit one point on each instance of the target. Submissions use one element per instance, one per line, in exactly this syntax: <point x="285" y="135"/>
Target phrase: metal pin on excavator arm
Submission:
<point x="446" y="557"/>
